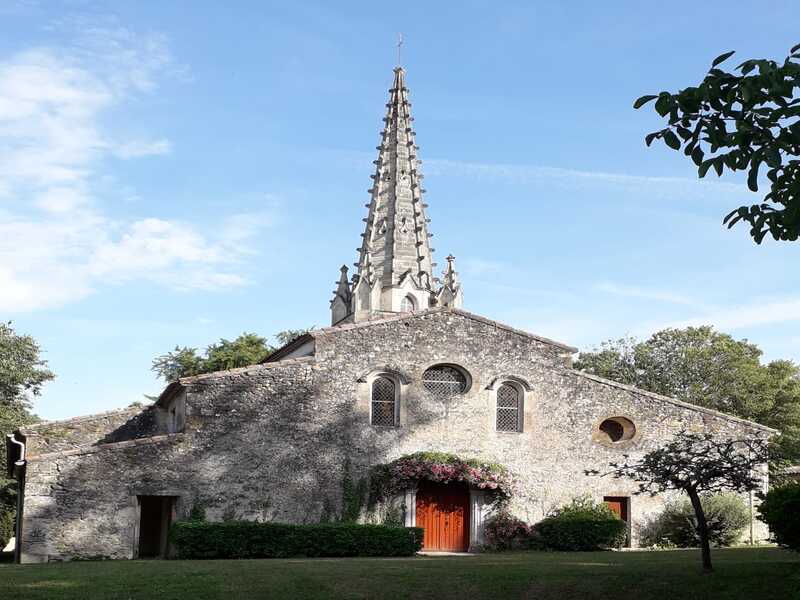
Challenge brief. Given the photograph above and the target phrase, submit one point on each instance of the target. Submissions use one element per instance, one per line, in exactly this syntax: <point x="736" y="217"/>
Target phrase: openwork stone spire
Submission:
<point x="395" y="260"/>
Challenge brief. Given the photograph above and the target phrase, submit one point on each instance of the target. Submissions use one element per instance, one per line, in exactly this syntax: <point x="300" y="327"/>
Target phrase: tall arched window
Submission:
<point x="408" y="304"/>
<point x="384" y="401"/>
<point x="509" y="408"/>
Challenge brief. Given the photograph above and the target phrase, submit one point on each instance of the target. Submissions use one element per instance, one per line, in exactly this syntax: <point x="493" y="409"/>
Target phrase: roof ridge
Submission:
<point x="240" y="370"/>
<point x="442" y="309"/>
<point x="92" y="448"/>
<point x="81" y="418"/>
<point x="671" y="400"/>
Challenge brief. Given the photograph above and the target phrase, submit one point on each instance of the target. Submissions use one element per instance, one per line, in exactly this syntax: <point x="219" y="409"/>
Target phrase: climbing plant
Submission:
<point x="407" y="471"/>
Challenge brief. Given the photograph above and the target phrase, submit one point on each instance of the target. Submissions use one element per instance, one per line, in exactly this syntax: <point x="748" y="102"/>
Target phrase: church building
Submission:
<point x="402" y="369"/>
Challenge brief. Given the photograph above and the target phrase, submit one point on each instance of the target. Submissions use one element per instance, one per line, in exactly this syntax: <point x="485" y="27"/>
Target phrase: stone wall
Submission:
<point x="272" y="442"/>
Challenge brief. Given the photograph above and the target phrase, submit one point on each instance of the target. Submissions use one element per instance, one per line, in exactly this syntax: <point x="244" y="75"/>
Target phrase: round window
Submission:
<point x="444" y="381"/>
<point x="617" y="429"/>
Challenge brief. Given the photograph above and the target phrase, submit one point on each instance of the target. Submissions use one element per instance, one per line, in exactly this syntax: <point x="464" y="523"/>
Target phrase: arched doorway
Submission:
<point x="442" y="510"/>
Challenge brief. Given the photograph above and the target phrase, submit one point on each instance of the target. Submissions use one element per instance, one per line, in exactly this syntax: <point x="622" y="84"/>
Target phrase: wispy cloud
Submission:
<point x="528" y="174"/>
<point x="58" y="240"/>
<point x="628" y="291"/>
<point x="139" y="148"/>
<point x="746" y="315"/>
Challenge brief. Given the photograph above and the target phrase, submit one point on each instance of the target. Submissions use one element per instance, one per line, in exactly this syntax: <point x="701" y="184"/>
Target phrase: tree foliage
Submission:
<point x="739" y="121"/>
<point x="247" y="349"/>
<point x="697" y="464"/>
<point x="22" y="370"/>
<point x="704" y="367"/>
<point x="22" y="374"/>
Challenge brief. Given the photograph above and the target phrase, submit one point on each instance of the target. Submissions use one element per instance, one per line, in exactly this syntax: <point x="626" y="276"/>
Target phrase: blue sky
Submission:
<point x="176" y="172"/>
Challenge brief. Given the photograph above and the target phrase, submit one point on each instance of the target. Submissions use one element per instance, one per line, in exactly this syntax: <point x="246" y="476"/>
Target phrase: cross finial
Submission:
<point x="450" y="258"/>
<point x="399" y="46"/>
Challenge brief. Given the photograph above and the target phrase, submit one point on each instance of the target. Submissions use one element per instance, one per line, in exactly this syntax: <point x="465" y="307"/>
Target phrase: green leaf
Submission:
<point x="663" y="104"/>
<point x="718" y="165"/>
<point x="704" y="167"/>
<point x="794" y="49"/>
<point x="722" y="58"/>
<point x="640" y="102"/>
<point x="752" y="177"/>
<point x="697" y="156"/>
<point x="671" y="140"/>
<point x="650" y="137"/>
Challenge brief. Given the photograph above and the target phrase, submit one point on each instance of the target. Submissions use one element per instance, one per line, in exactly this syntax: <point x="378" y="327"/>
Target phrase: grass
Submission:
<point x="750" y="573"/>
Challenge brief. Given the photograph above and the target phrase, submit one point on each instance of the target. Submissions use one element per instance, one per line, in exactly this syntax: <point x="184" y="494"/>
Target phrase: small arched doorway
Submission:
<point x="442" y="510"/>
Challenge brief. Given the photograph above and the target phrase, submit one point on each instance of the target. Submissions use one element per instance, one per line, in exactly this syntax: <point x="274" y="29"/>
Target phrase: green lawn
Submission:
<point x="749" y="573"/>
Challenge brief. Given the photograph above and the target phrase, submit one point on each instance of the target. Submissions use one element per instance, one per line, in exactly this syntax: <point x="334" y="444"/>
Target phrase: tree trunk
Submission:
<point x="702" y="528"/>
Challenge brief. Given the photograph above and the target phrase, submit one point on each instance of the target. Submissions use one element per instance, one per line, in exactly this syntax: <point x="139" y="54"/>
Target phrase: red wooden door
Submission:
<point x="443" y="512"/>
<point x="618" y="504"/>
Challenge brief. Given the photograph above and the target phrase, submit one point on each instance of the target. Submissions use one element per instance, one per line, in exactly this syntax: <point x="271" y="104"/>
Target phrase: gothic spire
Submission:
<point x="395" y="260"/>
<point x="396" y="233"/>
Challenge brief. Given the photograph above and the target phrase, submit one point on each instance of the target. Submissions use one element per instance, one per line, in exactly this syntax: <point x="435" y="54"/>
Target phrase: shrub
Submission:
<point x="726" y="514"/>
<point x="247" y="539"/>
<point x="198" y="513"/>
<point x="6" y="526"/>
<point x="582" y="525"/>
<point x="780" y="510"/>
<point x="506" y="532"/>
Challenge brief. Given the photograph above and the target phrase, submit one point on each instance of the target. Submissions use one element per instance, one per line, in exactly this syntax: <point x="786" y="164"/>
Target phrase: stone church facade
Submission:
<point x="402" y="369"/>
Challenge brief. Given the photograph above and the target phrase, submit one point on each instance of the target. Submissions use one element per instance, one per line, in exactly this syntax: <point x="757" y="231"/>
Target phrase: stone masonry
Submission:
<point x="270" y="442"/>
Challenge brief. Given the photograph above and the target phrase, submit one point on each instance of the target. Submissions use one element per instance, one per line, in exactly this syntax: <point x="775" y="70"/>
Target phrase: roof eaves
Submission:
<point x="288" y="348"/>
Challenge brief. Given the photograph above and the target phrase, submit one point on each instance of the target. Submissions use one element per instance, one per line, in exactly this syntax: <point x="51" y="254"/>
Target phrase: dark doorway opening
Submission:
<point x="156" y="515"/>
<point x="443" y="513"/>
<point x="620" y="505"/>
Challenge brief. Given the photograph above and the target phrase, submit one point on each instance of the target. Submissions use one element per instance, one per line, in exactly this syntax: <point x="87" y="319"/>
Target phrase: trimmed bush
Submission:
<point x="582" y="525"/>
<point x="247" y="539"/>
<point x="676" y="526"/>
<point x="780" y="510"/>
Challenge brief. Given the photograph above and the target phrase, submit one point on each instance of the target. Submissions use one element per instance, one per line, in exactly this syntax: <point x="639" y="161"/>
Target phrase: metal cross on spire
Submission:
<point x="399" y="46"/>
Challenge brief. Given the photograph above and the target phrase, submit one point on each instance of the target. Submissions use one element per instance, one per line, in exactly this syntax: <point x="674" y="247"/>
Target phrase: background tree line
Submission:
<point x="701" y="366"/>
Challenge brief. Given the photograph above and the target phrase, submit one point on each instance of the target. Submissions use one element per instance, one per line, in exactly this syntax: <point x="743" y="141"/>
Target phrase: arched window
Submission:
<point x="408" y="304"/>
<point x="384" y="401"/>
<point x="444" y="381"/>
<point x="509" y="405"/>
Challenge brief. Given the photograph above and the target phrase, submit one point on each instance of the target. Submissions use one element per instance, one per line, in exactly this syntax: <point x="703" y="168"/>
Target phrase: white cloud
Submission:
<point x="58" y="239"/>
<point x="139" y="148"/>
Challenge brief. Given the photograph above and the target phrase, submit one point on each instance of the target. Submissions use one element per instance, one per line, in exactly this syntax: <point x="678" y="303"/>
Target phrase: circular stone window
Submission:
<point x="616" y="429"/>
<point x="444" y="381"/>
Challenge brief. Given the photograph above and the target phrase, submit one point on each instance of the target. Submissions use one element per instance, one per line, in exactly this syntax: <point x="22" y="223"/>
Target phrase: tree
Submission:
<point x="697" y="464"/>
<point x="739" y="122"/>
<point x="247" y="349"/>
<point x="704" y="367"/>
<point x="22" y="374"/>
<point x="22" y="370"/>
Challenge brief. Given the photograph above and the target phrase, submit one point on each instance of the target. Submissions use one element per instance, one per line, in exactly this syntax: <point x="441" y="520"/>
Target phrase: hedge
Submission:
<point x="780" y="509"/>
<point x="247" y="539"/>
<point x="581" y="534"/>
